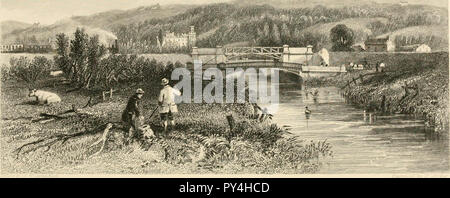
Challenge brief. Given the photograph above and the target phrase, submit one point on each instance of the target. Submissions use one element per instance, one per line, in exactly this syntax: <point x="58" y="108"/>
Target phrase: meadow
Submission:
<point x="200" y="143"/>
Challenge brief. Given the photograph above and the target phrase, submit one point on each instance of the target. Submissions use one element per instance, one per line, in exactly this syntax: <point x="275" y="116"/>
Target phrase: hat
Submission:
<point x="139" y="91"/>
<point x="164" y="81"/>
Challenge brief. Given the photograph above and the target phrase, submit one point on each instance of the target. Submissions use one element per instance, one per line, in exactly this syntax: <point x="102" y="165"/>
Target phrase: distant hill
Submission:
<point x="360" y="27"/>
<point x="100" y="23"/>
<point x="10" y="26"/>
<point x="292" y="4"/>
<point x="67" y="26"/>
<point x="246" y="22"/>
<point x="110" y="19"/>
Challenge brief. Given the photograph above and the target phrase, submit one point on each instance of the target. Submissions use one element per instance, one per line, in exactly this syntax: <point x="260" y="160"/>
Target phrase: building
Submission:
<point x="419" y="48"/>
<point x="321" y="58"/>
<point x="359" y="47"/>
<point x="33" y="48"/>
<point x="11" y="48"/>
<point x="403" y="3"/>
<point x="379" y="44"/>
<point x="172" y="40"/>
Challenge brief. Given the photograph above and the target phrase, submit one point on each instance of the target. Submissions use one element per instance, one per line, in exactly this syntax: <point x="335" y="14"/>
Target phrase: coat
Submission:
<point x="133" y="108"/>
<point x="167" y="99"/>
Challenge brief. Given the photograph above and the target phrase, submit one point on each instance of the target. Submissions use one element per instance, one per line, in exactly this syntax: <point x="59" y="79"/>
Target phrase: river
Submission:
<point x="362" y="145"/>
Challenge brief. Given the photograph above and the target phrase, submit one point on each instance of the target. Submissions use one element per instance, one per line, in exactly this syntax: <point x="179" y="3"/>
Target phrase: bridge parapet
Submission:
<point x="218" y="55"/>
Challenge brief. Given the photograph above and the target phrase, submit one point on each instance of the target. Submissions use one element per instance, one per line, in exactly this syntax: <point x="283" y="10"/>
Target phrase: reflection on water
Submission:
<point x="362" y="142"/>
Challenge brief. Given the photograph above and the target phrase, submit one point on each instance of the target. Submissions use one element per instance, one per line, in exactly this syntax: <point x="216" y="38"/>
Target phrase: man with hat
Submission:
<point x="167" y="104"/>
<point x="132" y="115"/>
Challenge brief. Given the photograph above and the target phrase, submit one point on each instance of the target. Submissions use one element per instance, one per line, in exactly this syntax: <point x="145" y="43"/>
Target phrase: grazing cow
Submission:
<point x="44" y="97"/>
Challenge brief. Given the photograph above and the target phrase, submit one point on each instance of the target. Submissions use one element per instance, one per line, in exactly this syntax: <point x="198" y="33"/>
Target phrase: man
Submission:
<point x="382" y="66"/>
<point x="167" y="104"/>
<point x="132" y="115"/>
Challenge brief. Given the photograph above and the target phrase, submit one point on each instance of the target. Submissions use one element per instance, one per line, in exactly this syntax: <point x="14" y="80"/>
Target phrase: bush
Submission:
<point x="29" y="71"/>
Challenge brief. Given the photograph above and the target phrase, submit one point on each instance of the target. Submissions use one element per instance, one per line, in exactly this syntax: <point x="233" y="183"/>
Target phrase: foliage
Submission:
<point x="265" y="25"/>
<point x="342" y="38"/>
<point x="28" y="70"/>
<point x="79" y="60"/>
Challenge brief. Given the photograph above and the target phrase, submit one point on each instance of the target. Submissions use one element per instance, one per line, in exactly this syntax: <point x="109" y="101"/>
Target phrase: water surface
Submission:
<point x="390" y="144"/>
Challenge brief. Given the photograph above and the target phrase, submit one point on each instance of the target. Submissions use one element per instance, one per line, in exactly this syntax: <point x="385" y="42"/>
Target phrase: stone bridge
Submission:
<point x="298" y="60"/>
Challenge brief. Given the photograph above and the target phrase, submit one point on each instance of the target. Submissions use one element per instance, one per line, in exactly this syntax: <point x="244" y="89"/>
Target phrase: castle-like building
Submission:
<point x="172" y="40"/>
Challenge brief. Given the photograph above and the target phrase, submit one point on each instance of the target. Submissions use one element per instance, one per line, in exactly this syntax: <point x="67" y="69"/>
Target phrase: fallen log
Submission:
<point x="103" y="139"/>
<point x="63" y="138"/>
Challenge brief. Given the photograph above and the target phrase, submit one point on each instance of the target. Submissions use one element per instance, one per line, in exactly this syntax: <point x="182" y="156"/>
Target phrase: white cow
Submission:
<point x="44" y="97"/>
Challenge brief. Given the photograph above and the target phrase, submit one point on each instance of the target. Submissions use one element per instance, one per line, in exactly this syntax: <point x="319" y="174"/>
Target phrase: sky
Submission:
<point x="50" y="11"/>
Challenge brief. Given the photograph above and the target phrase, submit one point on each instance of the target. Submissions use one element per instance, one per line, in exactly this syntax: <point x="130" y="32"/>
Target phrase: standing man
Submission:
<point x="132" y="115"/>
<point x="166" y="101"/>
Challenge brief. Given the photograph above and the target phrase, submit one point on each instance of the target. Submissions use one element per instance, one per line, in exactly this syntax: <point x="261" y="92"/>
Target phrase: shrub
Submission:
<point x="30" y="71"/>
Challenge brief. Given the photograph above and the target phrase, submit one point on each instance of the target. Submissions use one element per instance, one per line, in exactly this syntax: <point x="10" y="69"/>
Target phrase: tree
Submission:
<point x="160" y="36"/>
<point x="285" y="34"/>
<point x="30" y="71"/>
<point x="62" y="54"/>
<point x="276" y="40"/>
<point x="94" y="53"/>
<point x="342" y="38"/>
<point x="78" y="54"/>
<point x="33" y="40"/>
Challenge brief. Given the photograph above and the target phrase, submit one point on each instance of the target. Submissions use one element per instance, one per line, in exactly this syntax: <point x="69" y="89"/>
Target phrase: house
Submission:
<point x="172" y="40"/>
<point x="423" y="49"/>
<point x="379" y="44"/>
<point x="359" y="47"/>
<point x="420" y="48"/>
<point x="403" y="3"/>
<point x="12" y="48"/>
<point x="19" y="48"/>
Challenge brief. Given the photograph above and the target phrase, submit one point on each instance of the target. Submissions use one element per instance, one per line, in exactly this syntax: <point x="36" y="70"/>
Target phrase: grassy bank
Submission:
<point x="198" y="144"/>
<point x="425" y="76"/>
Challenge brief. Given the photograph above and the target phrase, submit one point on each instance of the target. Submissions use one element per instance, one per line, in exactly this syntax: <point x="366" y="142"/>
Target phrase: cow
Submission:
<point x="44" y="97"/>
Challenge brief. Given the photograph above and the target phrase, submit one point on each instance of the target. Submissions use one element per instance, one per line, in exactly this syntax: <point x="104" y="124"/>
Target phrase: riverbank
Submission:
<point x="199" y="143"/>
<point x="410" y="84"/>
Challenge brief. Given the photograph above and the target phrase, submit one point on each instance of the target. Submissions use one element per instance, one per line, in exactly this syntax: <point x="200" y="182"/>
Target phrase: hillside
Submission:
<point x="434" y="36"/>
<point x="263" y="24"/>
<point x="292" y="4"/>
<point x="10" y="26"/>
<point x="360" y="26"/>
<point x="67" y="26"/>
<point x="109" y="20"/>
<point x="100" y="23"/>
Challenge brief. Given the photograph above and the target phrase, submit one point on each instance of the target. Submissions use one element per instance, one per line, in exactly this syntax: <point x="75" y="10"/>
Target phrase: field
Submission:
<point x="197" y="145"/>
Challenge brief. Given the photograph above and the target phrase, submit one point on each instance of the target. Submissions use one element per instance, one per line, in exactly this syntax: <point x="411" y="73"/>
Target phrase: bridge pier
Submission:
<point x="220" y="55"/>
